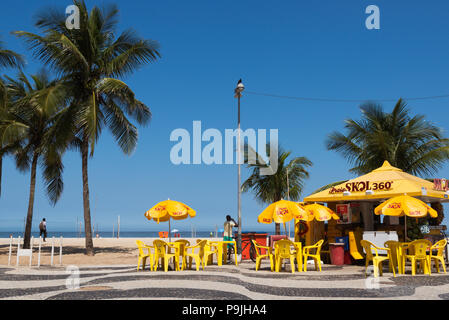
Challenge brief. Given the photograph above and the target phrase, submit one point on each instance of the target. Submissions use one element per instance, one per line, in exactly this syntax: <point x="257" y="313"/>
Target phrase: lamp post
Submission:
<point x="288" y="198"/>
<point x="238" y="93"/>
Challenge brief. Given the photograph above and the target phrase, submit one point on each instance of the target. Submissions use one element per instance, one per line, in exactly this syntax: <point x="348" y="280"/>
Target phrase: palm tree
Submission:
<point x="8" y="58"/>
<point x="29" y="124"/>
<point x="91" y="60"/>
<point x="272" y="188"/>
<point x="408" y="142"/>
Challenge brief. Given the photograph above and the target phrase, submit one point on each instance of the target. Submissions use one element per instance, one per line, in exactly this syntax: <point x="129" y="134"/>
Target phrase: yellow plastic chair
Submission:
<point x="209" y="250"/>
<point x="376" y="259"/>
<point x="402" y="251"/>
<point x="315" y="256"/>
<point x="420" y="255"/>
<point x="260" y="256"/>
<point x="283" y="250"/>
<point x="143" y="256"/>
<point x="180" y="245"/>
<point x="197" y="253"/>
<point x="162" y="252"/>
<point x="353" y="246"/>
<point x="438" y="258"/>
<point x="394" y="247"/>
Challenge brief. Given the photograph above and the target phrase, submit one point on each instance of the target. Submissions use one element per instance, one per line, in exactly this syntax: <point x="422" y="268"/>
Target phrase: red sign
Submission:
<point x="343" y="210"/>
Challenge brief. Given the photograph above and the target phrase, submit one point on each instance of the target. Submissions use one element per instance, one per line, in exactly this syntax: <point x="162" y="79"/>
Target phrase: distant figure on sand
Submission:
<point x="228" y="233"/>
<point x="43" y="228"/>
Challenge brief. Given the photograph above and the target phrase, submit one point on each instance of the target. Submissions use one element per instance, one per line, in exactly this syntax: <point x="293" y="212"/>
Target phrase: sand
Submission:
<point x="108" y="251"/>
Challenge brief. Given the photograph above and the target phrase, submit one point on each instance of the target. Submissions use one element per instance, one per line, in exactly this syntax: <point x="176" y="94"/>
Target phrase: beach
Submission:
<point x="108" y="251"/>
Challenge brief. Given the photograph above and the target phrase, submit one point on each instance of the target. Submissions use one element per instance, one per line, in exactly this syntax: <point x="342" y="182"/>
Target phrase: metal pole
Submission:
<point x="31" y="249"/>
<point x="60" y="251"/>
<point x="169" y="231"/>
<point x="52" y="250"/>
<point x="10" y="250"/>
<point x="18" y="250"/>
<point x="405" y="225"/>
<point x="288" y="198"/>
<point x="239" y="234"/>
<point x="39" y="254"/>
<point x="118" y="228"/>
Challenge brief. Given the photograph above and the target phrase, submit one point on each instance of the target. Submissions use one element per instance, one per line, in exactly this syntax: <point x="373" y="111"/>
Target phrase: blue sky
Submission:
<point x="308" y="48"/>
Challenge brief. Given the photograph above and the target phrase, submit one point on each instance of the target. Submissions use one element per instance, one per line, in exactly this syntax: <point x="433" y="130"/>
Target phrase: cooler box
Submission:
<point x="260" y="238"/>
<point x="344" y="240"/>
<point x="379" y="238"/>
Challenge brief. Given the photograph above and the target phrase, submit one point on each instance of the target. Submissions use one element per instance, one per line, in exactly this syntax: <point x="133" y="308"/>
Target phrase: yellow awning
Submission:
<point x="383" y="183"/>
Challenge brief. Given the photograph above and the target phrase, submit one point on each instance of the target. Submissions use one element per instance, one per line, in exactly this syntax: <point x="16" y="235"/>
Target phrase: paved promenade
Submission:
<point x="215" y="283"/>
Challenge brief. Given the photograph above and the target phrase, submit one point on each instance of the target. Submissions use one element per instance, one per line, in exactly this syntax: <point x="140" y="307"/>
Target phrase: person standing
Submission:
<point x="228" y="232"/>
<point x="43" y="229"/>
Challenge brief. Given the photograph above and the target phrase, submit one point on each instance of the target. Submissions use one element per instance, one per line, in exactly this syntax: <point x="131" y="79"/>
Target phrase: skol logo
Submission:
<point x="394" y="205"/>
<point x="282" y="211"/>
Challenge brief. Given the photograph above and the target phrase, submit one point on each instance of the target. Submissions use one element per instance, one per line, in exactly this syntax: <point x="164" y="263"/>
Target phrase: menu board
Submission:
<point x="344" y="212"/>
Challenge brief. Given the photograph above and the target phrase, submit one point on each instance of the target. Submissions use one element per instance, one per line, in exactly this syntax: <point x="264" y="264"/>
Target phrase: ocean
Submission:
<point x="123" y="234"/>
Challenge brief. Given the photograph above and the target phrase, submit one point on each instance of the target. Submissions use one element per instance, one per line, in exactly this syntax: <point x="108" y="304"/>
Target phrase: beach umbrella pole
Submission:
<point x="169" y="231"/>
<point x="405" y="228"/>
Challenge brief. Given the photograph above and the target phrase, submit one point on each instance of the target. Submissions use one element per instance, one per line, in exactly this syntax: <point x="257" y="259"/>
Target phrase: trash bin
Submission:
<point x="337" y="253"/>
<point x="261" y="238"/>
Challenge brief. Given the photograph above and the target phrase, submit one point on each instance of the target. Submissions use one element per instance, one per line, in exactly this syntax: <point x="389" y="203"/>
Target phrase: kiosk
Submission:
<point x="355" y="200"/>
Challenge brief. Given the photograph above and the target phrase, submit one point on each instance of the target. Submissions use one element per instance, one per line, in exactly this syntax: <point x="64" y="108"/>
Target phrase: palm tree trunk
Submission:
<point x="29" y="221"/>
<point x="86" y="204"/>
<point x="278" y="228"/>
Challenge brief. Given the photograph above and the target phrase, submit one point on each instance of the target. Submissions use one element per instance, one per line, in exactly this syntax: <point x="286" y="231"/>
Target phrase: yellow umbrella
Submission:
<point x="281" y="212"/>
<point x="320" y="213"/>
<point x="169" y="209"/>
<point x="405" y="206"/>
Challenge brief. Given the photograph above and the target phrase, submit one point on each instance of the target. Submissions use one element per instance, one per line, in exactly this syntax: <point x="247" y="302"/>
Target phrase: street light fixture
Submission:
<point x="238" y="93"/>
